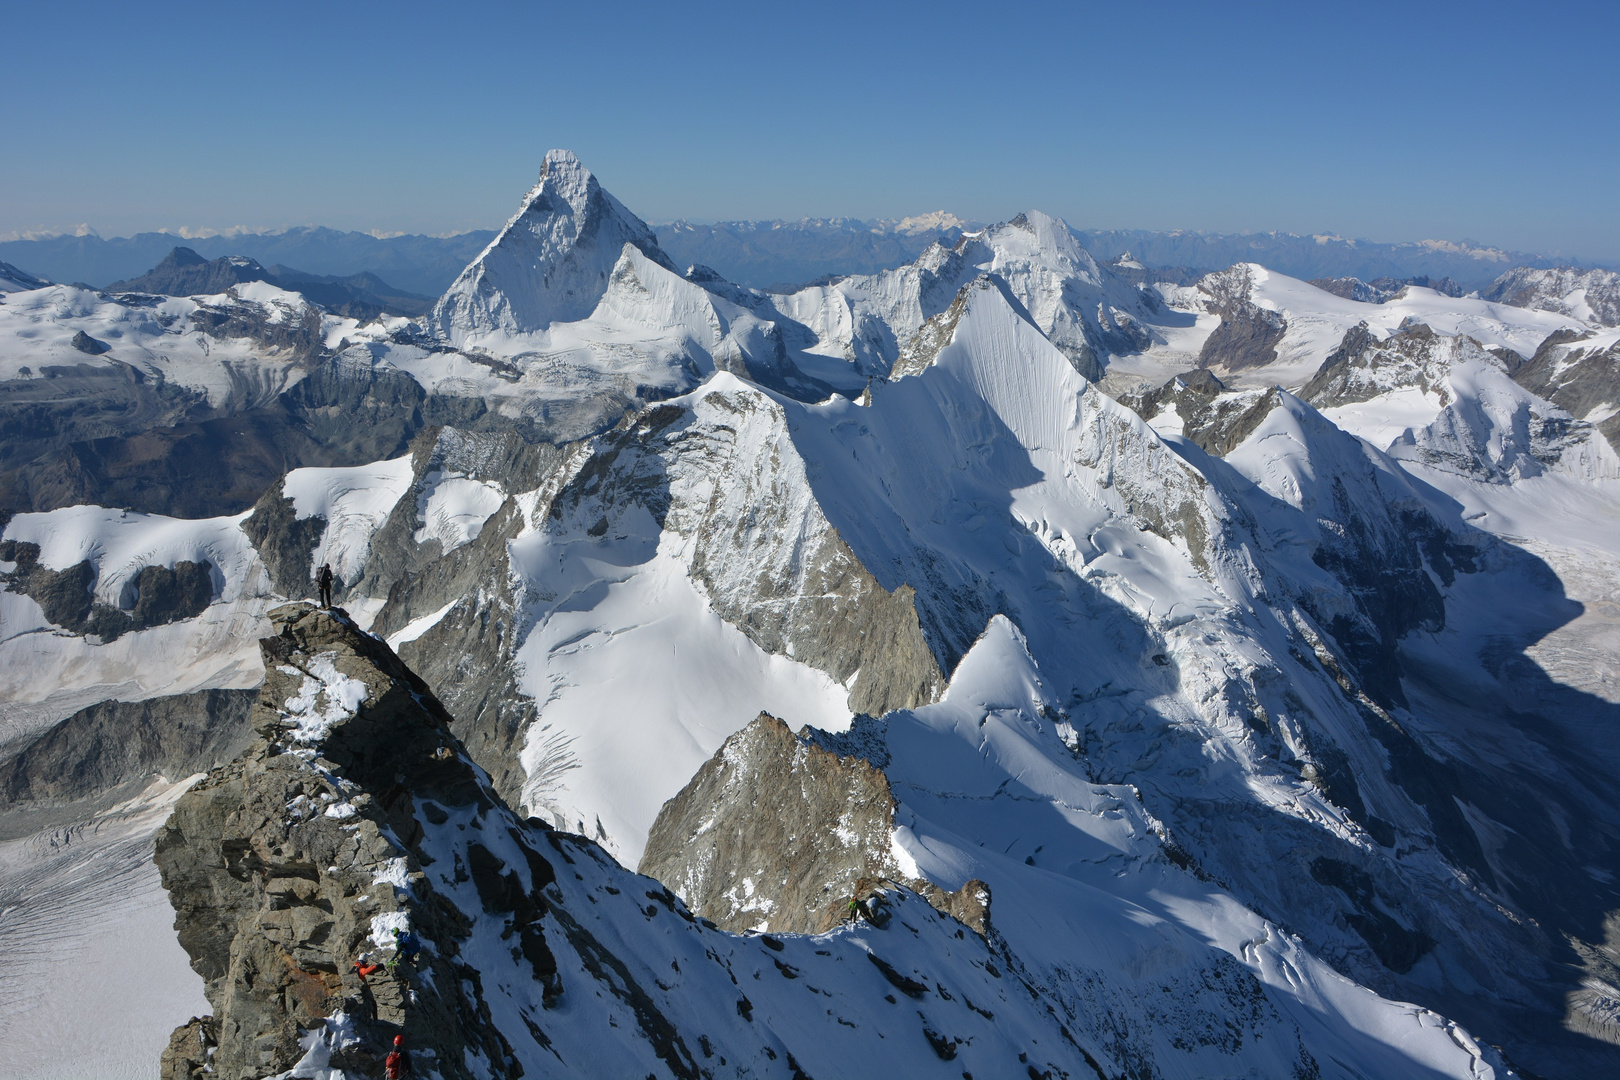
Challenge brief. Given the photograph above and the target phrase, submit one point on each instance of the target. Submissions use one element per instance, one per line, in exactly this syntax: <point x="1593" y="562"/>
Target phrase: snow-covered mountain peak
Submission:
<point x="1037" y="238"/>
<point x="551" y="263"/>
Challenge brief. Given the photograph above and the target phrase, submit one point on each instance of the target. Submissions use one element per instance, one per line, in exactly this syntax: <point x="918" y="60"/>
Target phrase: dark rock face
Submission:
<point x="286" y="543"/>
<point x="1396" y="946"/>
<point x="1363" y="367"/>
<point x="1576" y="378"/>
<point x="157" y="595"/>
<point x="39" y="416"/>
<point x="87" y="344"/>
<point x="1248" y="334"/>
<point x="102" y="751"/>
<point x="194" y="462"/>
<point x="183" y="272"/>
<point x="776" y="832"/>
<point x="1216" y="420"/>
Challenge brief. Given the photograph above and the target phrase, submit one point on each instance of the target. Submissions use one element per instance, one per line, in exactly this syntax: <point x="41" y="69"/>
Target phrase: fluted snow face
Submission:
<point x="552" y="262"/>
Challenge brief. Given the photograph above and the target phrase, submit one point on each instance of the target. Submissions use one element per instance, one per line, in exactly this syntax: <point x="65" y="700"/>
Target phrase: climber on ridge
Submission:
<point x="397" y="1064"/>
<point x="407" y="944"/>
<point x="324" y="580"/>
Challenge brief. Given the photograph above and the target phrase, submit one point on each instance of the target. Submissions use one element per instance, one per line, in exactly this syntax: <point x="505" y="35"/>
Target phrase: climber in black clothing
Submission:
<point x="324" y="580"/>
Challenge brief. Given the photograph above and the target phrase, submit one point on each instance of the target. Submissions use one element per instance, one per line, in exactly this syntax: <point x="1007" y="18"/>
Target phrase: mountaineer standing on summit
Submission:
<point x="324" y="580"/>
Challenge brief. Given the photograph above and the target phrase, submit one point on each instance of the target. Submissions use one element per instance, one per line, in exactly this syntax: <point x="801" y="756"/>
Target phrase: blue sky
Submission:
<point x="1497" y="122"/>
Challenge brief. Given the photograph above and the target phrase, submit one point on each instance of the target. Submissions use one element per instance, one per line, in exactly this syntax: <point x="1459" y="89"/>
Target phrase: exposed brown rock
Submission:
<point x="778" y="833"/>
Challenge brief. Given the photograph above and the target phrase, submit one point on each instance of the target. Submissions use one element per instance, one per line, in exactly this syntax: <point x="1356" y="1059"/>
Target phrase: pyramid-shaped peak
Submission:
<point x="565" y="174"/>
<point x="1034" y="238"/>
<point x="1050" y="233"/>
<point x="550" y="263"/>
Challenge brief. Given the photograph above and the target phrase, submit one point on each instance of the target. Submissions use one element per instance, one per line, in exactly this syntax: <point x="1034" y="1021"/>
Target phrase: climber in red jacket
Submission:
<point x="397" y="1064"/>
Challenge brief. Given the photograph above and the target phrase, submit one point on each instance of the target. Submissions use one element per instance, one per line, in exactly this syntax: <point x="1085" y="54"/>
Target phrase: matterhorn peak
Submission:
<point x="550" y="264"/>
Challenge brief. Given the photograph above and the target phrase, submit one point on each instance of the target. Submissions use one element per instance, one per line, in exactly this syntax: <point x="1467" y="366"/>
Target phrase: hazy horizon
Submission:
<point x="183" y="233"/>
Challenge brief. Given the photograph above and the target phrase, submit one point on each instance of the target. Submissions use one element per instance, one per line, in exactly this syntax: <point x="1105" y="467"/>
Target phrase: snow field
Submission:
<point x="355" y="502"/>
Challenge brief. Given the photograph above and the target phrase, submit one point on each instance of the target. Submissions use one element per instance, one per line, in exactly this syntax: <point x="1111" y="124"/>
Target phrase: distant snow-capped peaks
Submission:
<point x="552" y="261"/>
<point x="938" y="221"/>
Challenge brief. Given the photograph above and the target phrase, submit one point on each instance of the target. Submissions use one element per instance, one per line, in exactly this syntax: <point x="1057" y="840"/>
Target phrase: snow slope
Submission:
<point x="1084" y="891"/>
<point x="355" y="502"/>
<point x="47" y="674"/>
<point x="861" y="326"/>
<point x="1146" y="653"/>
<point x="235" y="350"/>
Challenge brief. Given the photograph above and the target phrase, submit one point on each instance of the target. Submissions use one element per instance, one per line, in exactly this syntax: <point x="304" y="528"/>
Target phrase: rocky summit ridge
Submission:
<point x="356" y="814"/>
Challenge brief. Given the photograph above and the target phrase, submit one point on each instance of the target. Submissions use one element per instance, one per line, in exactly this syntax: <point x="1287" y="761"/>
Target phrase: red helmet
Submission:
<point x="399" y="1040"/>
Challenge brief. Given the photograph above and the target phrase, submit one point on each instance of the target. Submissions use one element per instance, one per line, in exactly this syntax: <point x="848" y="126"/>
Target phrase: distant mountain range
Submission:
<point x="362" y="296"/>
<point x="417" y="264"/>
<point x="777" y="254"/>
<point x="780" y="254"/>
<point x="1470" y="264"/>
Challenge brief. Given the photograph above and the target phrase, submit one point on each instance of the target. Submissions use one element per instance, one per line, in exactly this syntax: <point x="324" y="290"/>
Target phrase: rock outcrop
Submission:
<point x="1579" y="375"/>
<point x="1590" y="295"/>
<point x="298" y="859"/>
<point x="1248" y="334"/>
<point x="778" y="832"/>
<point x="156" y="595"/>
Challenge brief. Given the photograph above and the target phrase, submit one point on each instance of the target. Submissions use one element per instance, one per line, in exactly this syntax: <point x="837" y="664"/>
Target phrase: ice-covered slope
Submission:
<point x="75" y="631"/>
<point x="994" y="483"/>
<point x="87" y="948"/>
<point x="238" y="348"/>
<point x="992" y="479"/>
<point x="1447" y="401"/>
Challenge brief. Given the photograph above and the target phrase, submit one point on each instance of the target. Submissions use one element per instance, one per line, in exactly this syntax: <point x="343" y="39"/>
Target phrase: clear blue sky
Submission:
<point x="1498" y="122"/>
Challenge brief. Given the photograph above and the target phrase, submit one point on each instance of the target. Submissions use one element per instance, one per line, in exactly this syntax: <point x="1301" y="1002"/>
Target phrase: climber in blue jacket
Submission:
<point x="407" y="944"/>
